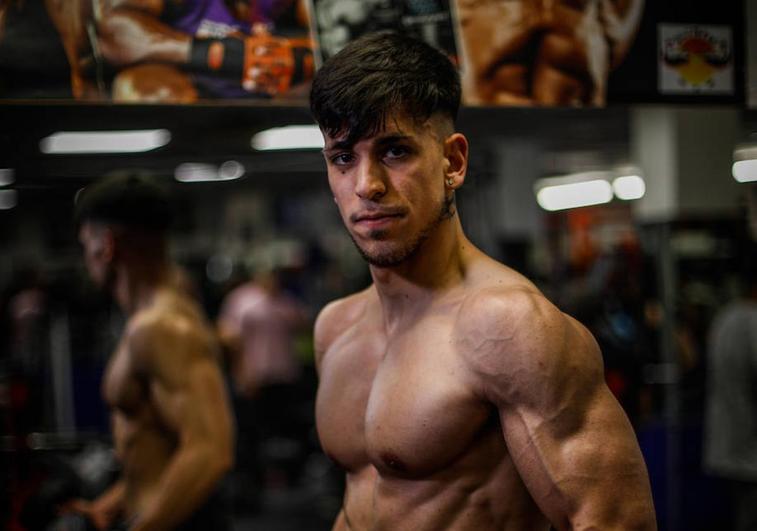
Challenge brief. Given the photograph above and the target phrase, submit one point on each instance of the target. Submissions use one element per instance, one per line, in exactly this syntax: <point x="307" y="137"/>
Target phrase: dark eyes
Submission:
<point x="342" y="159"/>
<point x="396" y="152"/>
<point x="391" y="153"/>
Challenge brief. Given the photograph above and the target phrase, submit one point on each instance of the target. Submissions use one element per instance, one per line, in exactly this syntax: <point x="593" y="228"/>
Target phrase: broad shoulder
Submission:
<point x="511" y="311"/>
<point x="171" y="331"/>
<point x="339" y="316"/>
<point x="515" y="340"/>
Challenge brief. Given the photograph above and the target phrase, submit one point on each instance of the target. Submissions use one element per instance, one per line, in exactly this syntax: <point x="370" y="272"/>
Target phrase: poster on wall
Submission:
<point x="337" y="22"/>
<point x="170" y="52"/>
<point x="695" y="59"/>
<point x="559" y="53"/>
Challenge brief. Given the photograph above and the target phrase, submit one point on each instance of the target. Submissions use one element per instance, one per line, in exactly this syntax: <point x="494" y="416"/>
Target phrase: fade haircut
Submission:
<point x="376" y="75"/>
<point x="132" y="201"/>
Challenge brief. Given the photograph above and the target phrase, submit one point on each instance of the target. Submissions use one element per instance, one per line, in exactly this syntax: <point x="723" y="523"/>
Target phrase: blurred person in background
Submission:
<point x="258" y="324"/>
<point x="171" y="423"/>
<point x="730" y="445"/>
<point x="25" y="350"/>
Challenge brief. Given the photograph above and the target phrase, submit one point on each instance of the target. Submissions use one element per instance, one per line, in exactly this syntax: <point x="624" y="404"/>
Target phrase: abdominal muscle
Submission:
<point x="144" y="450"/>
<point x="480" y="491"/>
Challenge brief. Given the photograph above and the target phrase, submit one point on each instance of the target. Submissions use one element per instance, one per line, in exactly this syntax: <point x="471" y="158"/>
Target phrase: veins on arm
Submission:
<point x="569" y="440"/>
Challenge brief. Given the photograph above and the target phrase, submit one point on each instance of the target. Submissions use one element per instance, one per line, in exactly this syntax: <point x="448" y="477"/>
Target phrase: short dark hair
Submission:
<point x="129" y="200"/>
<point x="379" y="73"/>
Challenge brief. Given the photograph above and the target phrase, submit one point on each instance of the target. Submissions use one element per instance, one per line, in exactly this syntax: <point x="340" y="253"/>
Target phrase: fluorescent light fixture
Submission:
<point x="230" y="170"/>
<point x="6" y="176"/>
<point x="629" y="187"/>
<point x="744" y="168"/>
<point x="288" y="137"/>
<point x="745" y="171"/>
<point x="8" y="199"/>
<point x="70" y="142"/>
<point x="574" y="191"/>
<point x="195" y="172"/>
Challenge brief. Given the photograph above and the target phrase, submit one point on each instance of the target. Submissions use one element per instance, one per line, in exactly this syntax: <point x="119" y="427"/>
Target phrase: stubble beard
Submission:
<point x="394" y="257"/>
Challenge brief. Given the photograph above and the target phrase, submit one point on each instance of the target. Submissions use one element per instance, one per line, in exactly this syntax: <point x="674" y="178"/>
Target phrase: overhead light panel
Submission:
<point x="288" y="137"/>
<point x="574" y="191"/>
<point x="629" y="187"/>
<point x="195" y="172"/>
<point x="6" y="176"/>
<point x="80" y="142"/>
<point x="744" y="168"/>
<point x="8" y="199"/>
<point x="745" y="171"/>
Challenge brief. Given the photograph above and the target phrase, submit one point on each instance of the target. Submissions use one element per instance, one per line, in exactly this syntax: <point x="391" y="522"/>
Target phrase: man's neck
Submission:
<point x="439" y="264"/>
<point x="136" y="284"/>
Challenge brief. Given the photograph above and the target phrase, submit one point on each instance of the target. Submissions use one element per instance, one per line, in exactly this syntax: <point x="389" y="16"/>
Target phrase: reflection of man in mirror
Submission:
<point x="179" y="51"/>
<point x="543" y="52"/>
<point x="171" y="421"/>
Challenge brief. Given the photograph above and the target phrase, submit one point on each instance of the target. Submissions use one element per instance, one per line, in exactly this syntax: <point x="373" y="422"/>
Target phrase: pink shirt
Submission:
<point x="266" y="324"/>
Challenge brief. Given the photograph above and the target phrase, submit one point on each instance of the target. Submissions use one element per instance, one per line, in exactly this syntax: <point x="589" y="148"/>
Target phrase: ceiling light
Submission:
<point x="194" y="172"/>
<point x="6" y="176"/>
<point x="744" y="168"/>
<point x="629" y="187"/>
<point x="573" y="191"/>
<point x="230" y="170"/>
<point x="288" y="137"/>
<point x="745" y="171"/>
<point x="70" y="142"/>
<point x="8" y="199"/>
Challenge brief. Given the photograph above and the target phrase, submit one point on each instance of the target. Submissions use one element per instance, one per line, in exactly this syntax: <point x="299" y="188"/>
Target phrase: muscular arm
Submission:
<point x="187" y="390"/>
<point x="104" y="510"/>
<point x="621" y="19"/>
<point x="130" y="32"/>
<point x="569" y="439"/>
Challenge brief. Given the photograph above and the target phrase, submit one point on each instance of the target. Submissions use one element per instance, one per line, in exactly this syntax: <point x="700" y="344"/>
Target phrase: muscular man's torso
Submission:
<point x="143" y="440"/>
<point x="398" y="412"/>
<point x="551" y="52"/>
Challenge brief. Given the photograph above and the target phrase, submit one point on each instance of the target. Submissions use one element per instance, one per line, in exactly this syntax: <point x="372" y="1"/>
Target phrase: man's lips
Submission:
<point x="377" y="217"/>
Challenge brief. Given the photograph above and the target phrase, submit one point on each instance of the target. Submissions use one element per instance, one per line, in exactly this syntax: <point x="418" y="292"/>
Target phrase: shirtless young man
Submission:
<point x="544" y="52"/>
<point x="171" y="421"/>
<point x="453" y="394"/>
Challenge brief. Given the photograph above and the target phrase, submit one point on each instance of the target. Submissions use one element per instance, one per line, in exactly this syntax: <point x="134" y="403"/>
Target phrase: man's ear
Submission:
<point x="456" y="156"/>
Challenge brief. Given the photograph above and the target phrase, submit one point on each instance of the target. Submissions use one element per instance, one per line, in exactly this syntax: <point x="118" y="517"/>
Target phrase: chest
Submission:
<point x="402" y="404"/>
<point x="123" y="389"/>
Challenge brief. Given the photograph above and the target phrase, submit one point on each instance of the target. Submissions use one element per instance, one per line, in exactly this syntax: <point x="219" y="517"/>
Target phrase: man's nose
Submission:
<point x="371" y="180"/>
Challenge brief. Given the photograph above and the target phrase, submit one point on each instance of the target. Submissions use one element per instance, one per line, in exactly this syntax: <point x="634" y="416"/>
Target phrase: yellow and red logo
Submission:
<point x="696" y="55"/>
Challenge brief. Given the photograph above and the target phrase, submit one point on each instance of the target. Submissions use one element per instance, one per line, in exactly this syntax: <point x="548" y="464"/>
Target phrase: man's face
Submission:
<point x="390" y="188"/>
<point x="97" y="254"/>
